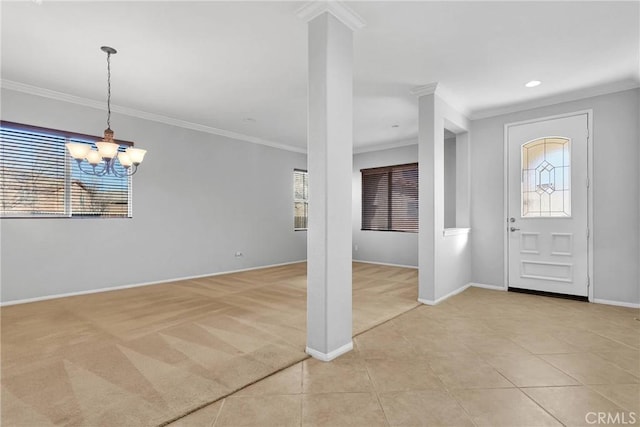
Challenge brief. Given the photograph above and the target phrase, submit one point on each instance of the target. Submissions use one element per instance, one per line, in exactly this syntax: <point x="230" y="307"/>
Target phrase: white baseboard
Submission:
<point x="483" y="286"/>
<point x="460" y="289"/>
<point x="137" y="285"/>
<point x="616" y="303"/>
<point x="442" y="298"/>
<point x="327" y="357"/>
<point x="386" y="263"/>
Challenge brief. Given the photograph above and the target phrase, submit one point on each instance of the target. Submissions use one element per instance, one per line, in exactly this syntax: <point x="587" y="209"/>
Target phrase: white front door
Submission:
<point x="547" y="205"/>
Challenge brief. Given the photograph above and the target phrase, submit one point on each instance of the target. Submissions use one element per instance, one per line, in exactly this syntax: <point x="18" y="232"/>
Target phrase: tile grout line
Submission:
<point x="522" y="392"/>
<point x="590" y="387"/>
<point x="301" y="392"/>
<point x="541" y="407"/>
<point x="559" y="370"/>
<point x="469" y="416"/>
<point x="446" y="388"/>
<point x="375" y="391"/>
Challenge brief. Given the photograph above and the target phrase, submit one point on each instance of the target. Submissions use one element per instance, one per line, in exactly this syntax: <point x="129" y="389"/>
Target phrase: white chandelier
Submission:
<point x="108" y="150"/>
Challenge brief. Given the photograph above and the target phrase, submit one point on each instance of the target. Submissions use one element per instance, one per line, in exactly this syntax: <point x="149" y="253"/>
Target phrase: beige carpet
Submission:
<point x="146" y="355"/>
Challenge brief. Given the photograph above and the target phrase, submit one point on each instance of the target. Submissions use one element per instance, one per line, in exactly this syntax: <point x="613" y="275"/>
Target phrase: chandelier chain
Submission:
<point x="108" y="90"/>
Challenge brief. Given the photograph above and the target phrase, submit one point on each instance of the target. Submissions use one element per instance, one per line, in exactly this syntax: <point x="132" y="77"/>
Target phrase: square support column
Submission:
<point x="431" y="192"/>
<point x="330" y="164"/>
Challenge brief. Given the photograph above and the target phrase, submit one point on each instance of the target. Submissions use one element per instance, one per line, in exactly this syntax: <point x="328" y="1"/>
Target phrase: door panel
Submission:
<point x="547" y="199"/>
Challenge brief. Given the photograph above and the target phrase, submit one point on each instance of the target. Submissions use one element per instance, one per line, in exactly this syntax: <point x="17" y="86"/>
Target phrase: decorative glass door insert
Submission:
<point x="546" y="178"/>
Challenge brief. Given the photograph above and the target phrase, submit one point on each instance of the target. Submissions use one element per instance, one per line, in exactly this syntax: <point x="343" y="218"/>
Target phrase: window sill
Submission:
<point x="455" y="231"/>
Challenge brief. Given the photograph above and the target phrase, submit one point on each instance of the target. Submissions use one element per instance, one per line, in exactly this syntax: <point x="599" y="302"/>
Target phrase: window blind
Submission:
<point x="38" y="178"/>
<point x="300" y="199"/>
<point x="99" y="195"/>
<point x="32" y="174"/>
<point x="390" y="198"/>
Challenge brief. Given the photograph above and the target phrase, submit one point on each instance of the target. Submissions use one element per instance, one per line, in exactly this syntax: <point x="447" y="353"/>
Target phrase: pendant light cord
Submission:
<point x="108" y="91"/>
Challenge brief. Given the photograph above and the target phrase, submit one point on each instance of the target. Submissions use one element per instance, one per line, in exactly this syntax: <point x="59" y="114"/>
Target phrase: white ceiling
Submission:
<point x="218" y="64"/>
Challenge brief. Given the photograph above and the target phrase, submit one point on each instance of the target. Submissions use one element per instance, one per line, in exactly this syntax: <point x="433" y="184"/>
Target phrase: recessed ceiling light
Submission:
<point x="249" y="120"/>
<point x="533" y="83"/>
<point x="395" y="126"/>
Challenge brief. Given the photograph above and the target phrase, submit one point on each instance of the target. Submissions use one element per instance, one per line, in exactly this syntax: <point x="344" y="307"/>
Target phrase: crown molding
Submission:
<point x="575" y="95"/>
<point x="443" y="93"/>
<point x="341" y="11"/>
<point x="86" y="102"/>
<point x="385" y="146"/>
<point x="428" y="89"/>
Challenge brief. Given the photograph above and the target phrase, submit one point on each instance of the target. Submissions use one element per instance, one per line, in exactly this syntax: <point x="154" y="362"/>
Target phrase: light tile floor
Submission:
<point x="480" y="358"/>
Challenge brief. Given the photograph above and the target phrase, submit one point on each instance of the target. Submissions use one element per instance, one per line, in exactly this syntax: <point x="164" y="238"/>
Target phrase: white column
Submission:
<point x="431" y="189"/>
<point x="330" y="160"/>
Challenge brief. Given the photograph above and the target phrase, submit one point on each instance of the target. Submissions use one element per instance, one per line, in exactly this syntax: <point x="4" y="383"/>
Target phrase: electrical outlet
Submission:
<point x="239" y="254"/>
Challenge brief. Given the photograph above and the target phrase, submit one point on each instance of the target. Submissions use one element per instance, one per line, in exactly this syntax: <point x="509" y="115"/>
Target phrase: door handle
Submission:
<point x="514" y="229"/>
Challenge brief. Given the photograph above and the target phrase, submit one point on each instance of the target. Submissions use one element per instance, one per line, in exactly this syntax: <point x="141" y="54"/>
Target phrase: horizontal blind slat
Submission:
<point x="33" y="178"/>
<point x="390" y="198"/>
<point x="300" y="199"/>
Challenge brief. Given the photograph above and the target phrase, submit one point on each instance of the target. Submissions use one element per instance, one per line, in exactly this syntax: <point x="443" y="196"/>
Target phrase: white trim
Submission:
<point x="450" y="101"/>
<point x="590" y="177"/>
<point x="590" y="92"/>
<point x="442" y="298"/>
<point x="455" y="231"/>
<point x="385" y="263"/>
<point x="616" y="303"/>
<point x="86" y="102"/>
<point x="590" y="169"/>
<point x="491" y="287"/>
<point x="462" y="289"/>
<point x="385" y="146"/>
<point x="137" y="285"/>
<point x="428" y="89"/>
<point x="340" y="10"/>
<point x="327" y="357"/>
<point x="505" y="203"/>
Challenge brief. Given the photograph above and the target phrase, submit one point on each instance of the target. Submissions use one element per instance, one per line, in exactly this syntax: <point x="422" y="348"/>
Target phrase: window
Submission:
<point x="300" y="199"/>
<point x="38" y="178"/>
<point x="390" y="198"/>
<point x="546" y="177"/>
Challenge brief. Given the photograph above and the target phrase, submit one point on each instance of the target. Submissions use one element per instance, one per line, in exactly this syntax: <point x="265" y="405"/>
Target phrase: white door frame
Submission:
<point x="505" y="218"/>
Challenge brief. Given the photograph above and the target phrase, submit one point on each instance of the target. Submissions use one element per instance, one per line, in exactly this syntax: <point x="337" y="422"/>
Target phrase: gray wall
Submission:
<point x="381" y="246"/>
<point x="450" y="183"/>
<point x="197" y="199"/>
<point x="616" y="183"/>
<point x="189" y="218"/>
